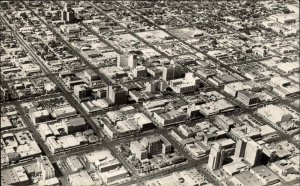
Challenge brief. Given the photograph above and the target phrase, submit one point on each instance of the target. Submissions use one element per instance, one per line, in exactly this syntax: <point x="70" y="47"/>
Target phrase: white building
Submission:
<point x="187" y="84"/>
<point x="47" y="168"/>
<point x="168" y="118"/>
<point x="114" y="175"/>
<point x="39" y="116"/>
<point x="125" y="60"/>
<point x="274" y="114"/>
<point x="64" y="112"/>
<point x="233" y="88"/>
<point x="216" y="157"/>
<point x="219" y="106"/>
<point x="253" y="153"/>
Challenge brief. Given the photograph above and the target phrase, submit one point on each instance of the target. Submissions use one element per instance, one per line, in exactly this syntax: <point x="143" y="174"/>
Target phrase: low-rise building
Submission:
<point x="96" y="105"/>
<point x="74" y="163"/>
<point x="248" y="98"/>
<point x="234" y="88"/>
<point x="197" y="149"/>
<point x="182" y="178"/>
<point x="225" y="123"/>
<point x="73" y="125"/>
<point x="39" y="116"/>
<point x="81" y="178"/>
<point x="246" y="178"/>
<point x="6" y="123"/>
<point x="165" y="118"/>
<point x="284" y="167"/>
<point x="265" y="175"/>
<point x="64" y="143"/>
<point x="50" y="182"/>
<point x="21" y="175"/>
<point x="114" y="175"/>
<point x="63" y="112"/>
<point x="284" y="87"/>
<point x="44" y="131"/>
<point x="289" y="67"/>
<point x="46" y="167"/>
<point x="219" y="106"/>
<point x="268" y="133"/>
<point x="274" y="113"/>
<point x="235" y="167"/>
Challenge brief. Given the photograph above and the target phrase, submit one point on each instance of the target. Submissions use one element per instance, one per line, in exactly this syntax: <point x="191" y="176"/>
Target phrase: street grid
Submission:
<point x="110" y="144"/>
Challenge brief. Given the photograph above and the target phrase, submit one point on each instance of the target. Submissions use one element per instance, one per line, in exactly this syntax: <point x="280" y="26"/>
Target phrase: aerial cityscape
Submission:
<point x="150" y="93"/>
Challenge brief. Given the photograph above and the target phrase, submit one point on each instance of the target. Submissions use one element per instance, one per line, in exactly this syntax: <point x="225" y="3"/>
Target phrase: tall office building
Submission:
<point x="171" y="72"/>
<point x="139" y="71"/>
<point x="3" y="94"/>
<point x="81" y="91"/>
<point x="47" y="168"/>
<point x="153" y="144"/>
<point x="163" y="86"/>
<point x="68" y="14"/>
<point x="124" y="60"/>
<point x="91" y="75"/>
<point x="117" y="94"/>
<point x="216" y="156"/>
<point x="132" y="61"/>
<point x="253" y="153"/>
<point x="150" y="86"/>
<point x="240" y="148"/>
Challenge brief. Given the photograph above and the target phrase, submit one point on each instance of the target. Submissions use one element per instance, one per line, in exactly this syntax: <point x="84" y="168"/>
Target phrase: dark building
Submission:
<point x="171" y="72"/>
<point x="68" y="14"/>
<point x="74" y="125"/>
<point x="117" y="94"/>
